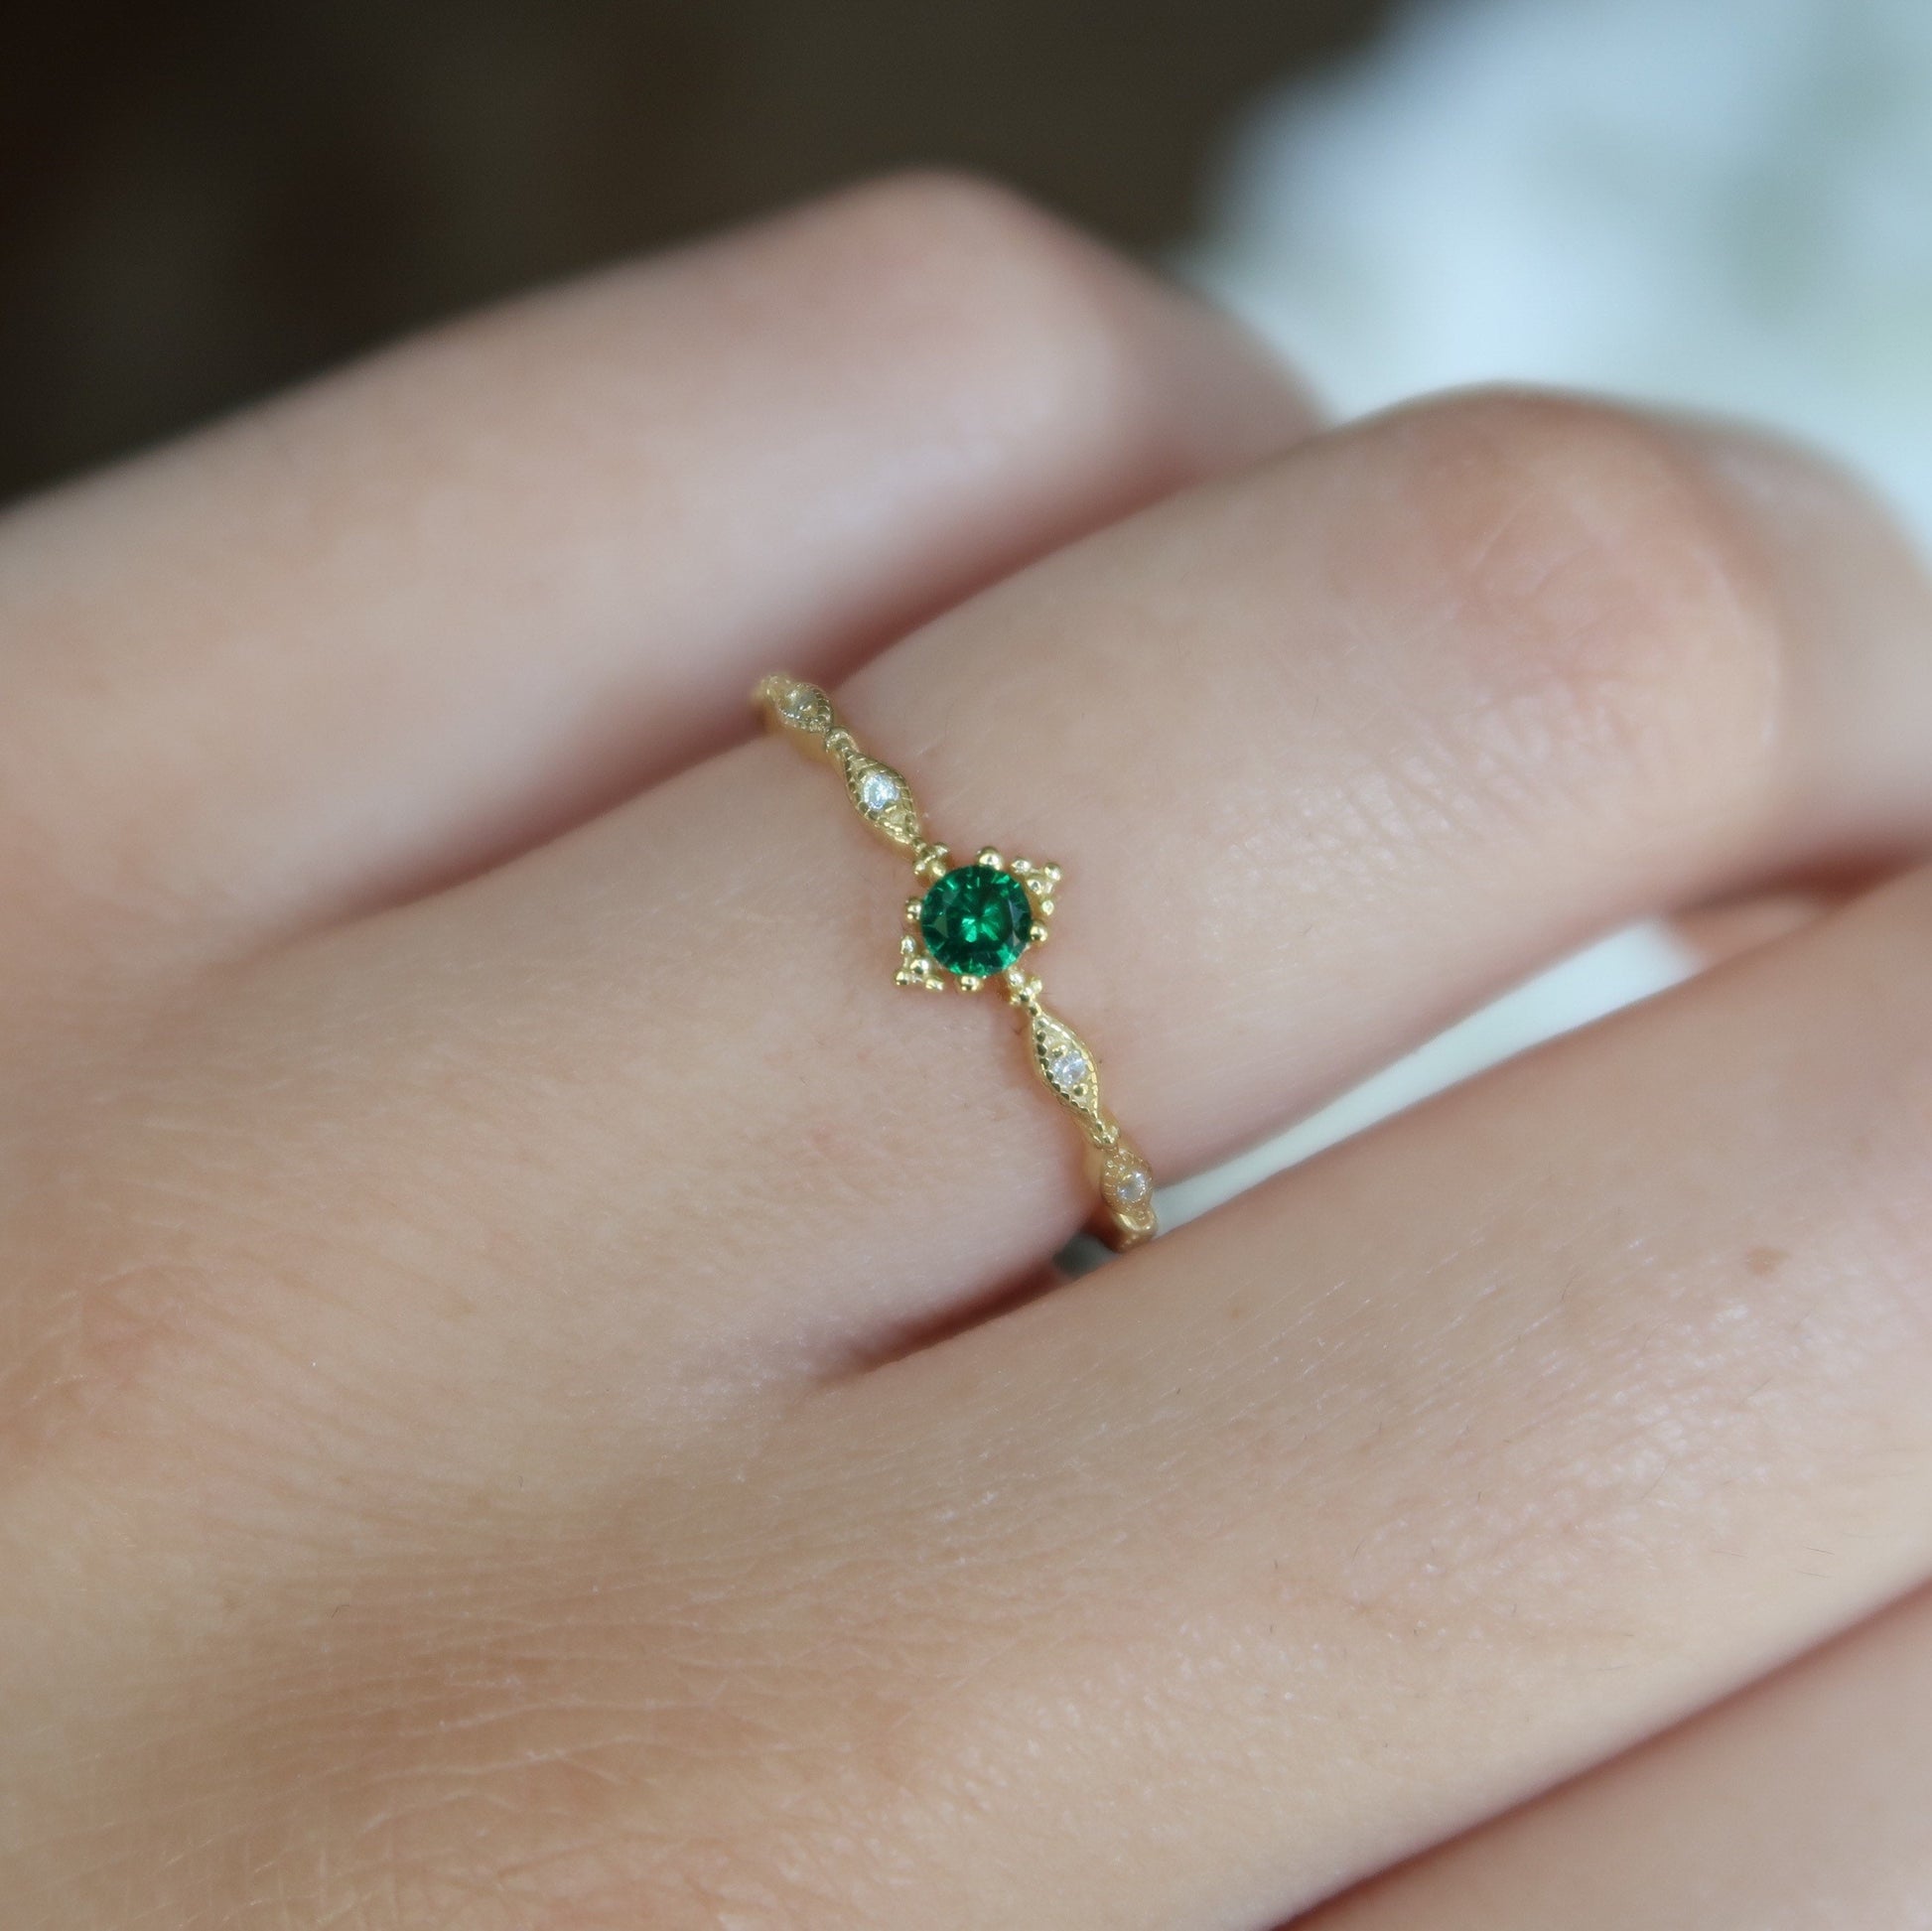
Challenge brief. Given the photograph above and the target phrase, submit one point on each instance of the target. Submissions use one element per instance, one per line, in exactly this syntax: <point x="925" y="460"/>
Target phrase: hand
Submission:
<point x="513" y="1414"/>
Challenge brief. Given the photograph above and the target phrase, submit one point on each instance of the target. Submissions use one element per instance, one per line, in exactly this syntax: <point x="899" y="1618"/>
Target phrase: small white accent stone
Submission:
<point x="876" y="792"/>
<point x="1067" y="1069"/>
<point x="796" y="703"/>
<point x="1130" y="1185"/>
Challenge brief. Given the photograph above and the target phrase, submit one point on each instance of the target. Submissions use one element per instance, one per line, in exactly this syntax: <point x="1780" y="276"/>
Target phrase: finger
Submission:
<point x="421" y="613"/>
<point x="1799" y="1806"/>
<point x="1437" y="1470"/>
<point x="1329" y="751"/>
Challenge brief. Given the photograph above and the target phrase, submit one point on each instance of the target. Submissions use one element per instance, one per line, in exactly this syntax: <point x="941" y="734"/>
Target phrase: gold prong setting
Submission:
<point x="917" y="967"/>
<point x="1016" y="890"/>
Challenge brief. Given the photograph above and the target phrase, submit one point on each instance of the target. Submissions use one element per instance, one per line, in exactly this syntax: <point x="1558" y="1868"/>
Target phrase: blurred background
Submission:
<point x="200" y="200"/>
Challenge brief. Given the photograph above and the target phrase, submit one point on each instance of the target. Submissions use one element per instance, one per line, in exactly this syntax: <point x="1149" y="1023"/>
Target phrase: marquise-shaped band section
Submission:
<point x="804" y="707"/>
<point x="882" y="796"/>
<point x="1061" y="1059"/>
<point x="1127" y="1192"/>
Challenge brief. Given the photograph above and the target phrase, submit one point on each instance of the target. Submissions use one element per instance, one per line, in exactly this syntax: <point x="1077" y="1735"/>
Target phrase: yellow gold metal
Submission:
<point x="1063" y="1062"/>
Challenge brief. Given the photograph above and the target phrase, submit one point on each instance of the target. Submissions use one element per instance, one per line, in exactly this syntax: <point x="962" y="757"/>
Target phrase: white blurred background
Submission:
<point x="1726" y="203"/>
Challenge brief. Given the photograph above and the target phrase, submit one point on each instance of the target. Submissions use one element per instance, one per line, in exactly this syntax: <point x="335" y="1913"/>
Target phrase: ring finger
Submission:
<point x="1329" y="751"/>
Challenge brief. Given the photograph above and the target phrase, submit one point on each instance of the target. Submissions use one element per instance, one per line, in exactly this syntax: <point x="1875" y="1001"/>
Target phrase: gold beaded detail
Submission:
<point x="995" y="910"/>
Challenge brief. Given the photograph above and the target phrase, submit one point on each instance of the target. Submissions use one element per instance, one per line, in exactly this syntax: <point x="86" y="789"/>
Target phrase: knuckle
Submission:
<point x="957" y="239"/>
<point x="1617" y="608"/>
<point x="973" y="293"/>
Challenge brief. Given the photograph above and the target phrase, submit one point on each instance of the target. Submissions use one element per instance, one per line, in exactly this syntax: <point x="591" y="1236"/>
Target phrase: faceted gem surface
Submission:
<point x="876" y="792"/>
<point x="1067" y="1069"/>
<point x="976" y="919"/>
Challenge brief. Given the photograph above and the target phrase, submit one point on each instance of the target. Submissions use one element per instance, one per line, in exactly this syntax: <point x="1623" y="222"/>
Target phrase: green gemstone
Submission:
<point x="975" y="920"/>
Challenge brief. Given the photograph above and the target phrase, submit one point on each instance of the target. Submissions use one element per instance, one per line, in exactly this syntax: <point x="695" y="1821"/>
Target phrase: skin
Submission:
<point x="1798" y="1805"/>
<point x="511" y="1407"/>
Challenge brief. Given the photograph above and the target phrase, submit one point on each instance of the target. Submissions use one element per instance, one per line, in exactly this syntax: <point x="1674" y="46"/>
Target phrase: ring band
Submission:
<point x="971" y="925"/>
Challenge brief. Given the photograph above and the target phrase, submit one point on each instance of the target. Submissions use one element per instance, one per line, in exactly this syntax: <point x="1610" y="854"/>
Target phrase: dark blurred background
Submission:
<point x="200" y="202"/>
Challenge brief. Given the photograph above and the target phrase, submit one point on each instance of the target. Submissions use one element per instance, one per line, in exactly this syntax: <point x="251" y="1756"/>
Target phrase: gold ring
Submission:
<point x="969" y="925"/>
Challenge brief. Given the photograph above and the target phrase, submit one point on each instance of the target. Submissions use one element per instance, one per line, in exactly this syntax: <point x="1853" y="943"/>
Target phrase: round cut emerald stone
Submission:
<point x="975" y="920"/>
